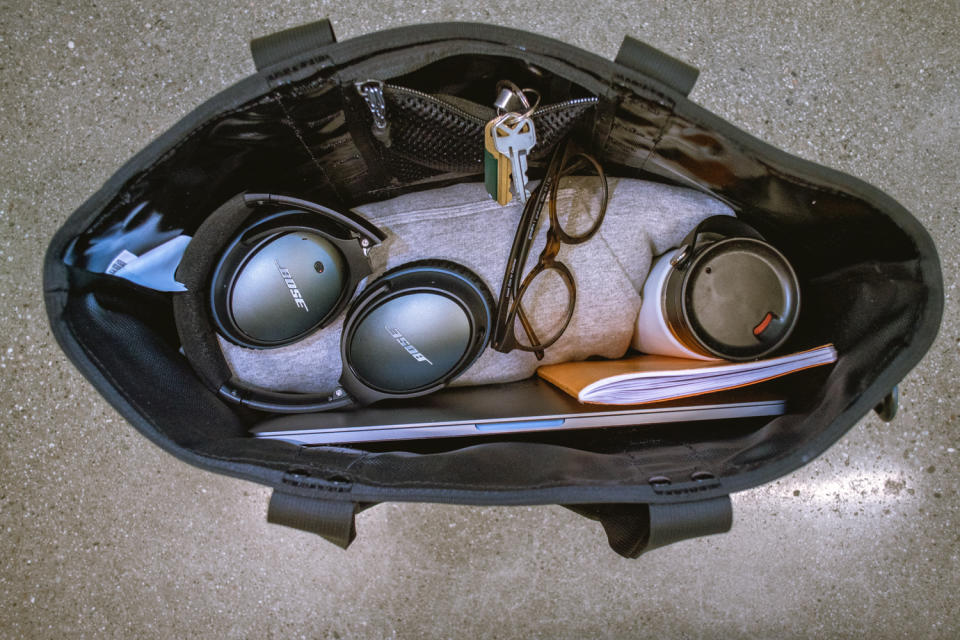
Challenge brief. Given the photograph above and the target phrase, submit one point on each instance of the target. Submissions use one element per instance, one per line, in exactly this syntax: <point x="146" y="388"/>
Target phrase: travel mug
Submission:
<point x="725" y="293"/>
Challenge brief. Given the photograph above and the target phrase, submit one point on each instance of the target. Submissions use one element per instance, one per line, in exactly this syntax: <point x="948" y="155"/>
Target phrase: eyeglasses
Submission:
<point x="514" y="328"/>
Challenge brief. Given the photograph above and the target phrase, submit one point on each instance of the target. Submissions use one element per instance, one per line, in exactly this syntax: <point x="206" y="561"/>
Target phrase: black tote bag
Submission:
<point x="869" y="273"/>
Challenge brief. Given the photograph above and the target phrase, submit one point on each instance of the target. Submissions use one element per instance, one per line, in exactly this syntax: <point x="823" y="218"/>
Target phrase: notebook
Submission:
<point x="648" y="378"/>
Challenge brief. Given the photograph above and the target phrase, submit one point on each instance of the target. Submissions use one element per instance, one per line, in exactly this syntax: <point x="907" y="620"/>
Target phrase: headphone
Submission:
<point x="266" y="270"/>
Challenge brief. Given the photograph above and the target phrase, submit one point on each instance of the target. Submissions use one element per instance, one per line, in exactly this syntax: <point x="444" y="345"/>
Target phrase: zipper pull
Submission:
<point x="372" y="93"/>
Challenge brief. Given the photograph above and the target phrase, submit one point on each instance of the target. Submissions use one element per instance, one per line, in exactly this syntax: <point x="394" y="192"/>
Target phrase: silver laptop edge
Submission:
<point x="614" y="418"/>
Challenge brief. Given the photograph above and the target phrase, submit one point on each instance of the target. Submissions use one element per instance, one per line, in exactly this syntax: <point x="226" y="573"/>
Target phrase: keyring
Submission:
<point x="520" y="93"/>
<point x="530" y="108"/>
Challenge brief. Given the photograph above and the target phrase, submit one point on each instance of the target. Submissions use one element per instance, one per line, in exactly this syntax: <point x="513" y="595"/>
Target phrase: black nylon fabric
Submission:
<point x="646" y="60"/>
<point x="634" y="529"/>
<point x="276" y="48"/>
<point x="327" y="518"/>
<point x="869" y="273"/>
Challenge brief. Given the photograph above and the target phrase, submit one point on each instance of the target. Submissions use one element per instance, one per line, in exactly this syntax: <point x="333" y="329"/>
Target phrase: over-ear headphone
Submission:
<point x="265" y="271"/>
<point x="318" y="254"/>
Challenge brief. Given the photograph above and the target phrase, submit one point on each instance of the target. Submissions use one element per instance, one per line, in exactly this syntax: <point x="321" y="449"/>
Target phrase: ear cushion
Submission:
<point x="417" y="327"/>
<point x="434" y="265"/>
<point x="453" y="267"/>
<point x="197" y="336"/>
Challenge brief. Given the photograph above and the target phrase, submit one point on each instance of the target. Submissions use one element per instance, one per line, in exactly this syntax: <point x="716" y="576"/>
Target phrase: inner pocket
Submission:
<point x="440" y="133"/>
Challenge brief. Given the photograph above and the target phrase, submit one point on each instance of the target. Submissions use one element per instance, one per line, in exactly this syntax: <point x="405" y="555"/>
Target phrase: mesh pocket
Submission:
<point x="432" y="134"/>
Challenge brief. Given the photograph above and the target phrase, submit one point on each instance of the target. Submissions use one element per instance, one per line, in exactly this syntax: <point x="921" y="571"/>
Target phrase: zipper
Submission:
<point x="372" y="92"/>
<point x="436" y="101"/>
<point x="559" y="106"/>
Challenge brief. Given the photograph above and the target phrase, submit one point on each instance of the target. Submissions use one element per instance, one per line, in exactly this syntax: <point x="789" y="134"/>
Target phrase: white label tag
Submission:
<point x="122" y="260"/>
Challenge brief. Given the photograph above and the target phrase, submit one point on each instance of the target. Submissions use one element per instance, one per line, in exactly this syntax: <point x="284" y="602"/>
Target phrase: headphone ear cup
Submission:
<point x="414" y="329"/>
<point x="274" y="269"/>
<point x="275" y="285"/>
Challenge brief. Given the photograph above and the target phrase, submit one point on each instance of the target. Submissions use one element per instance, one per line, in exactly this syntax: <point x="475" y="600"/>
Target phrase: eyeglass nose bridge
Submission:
<point x="548" y="257"/>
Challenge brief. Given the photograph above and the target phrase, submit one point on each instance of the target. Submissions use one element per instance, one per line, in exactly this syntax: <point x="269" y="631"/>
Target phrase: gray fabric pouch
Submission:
<point x="463" y="224"/>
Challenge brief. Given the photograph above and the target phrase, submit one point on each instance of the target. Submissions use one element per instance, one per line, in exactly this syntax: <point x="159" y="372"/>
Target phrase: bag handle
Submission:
<point x="888" y="407"/>
<point x="333" y="520"/>
<point x="641" y="57"/>
<point x="289" y="44"/>
<point x="632" y="529"/>
<point x="285" y="47"/>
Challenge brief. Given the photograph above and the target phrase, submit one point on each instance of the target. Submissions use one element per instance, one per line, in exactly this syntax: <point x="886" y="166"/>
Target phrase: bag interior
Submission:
<point x="861" y="272"/>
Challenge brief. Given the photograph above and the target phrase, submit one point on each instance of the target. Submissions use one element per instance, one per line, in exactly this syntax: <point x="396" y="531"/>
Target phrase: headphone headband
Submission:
<point x="349" y="220"/>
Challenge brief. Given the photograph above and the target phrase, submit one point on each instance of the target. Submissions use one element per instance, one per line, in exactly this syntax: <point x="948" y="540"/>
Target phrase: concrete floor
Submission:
<point x="102" y="534"/>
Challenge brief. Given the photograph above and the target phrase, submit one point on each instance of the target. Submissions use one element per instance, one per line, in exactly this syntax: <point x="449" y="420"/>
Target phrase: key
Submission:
<point x="504" y="171"/>
<point x="490" y="161"/>
<point x="496" y="167"/>
<point x="514" y="138"/>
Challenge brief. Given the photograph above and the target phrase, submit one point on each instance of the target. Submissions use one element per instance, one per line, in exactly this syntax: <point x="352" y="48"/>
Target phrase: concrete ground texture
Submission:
<point x="103" y="534"/>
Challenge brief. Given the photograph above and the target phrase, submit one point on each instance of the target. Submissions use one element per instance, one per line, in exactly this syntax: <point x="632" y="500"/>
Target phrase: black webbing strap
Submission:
<point x="332" y="519"/>
<point x="887" y="409"/>
<point x="284" y="45"/>
<point x="656" y="64"/>
<point x="633" y="529"/>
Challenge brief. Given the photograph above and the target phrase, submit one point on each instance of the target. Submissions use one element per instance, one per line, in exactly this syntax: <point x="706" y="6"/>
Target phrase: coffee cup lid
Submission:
<point x="740" y="298"/>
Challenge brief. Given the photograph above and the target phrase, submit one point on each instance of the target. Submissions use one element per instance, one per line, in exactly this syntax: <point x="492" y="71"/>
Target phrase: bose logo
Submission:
<point x="412" y="350"/>
<point x="297" y="298"/>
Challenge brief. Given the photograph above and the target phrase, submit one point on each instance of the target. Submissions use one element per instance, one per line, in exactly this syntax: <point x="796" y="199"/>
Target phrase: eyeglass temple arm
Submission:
<point x="519" y="252"/>
<point x="528" y="329"/>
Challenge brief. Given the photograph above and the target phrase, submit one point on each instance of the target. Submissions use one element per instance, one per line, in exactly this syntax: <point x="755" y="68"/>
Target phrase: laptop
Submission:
<point x="520" y="407"/>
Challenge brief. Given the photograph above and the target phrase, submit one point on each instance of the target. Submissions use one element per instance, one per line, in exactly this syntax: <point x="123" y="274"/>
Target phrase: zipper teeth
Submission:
<point x="446" y="105"/>
<point x="563" y="105"/>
